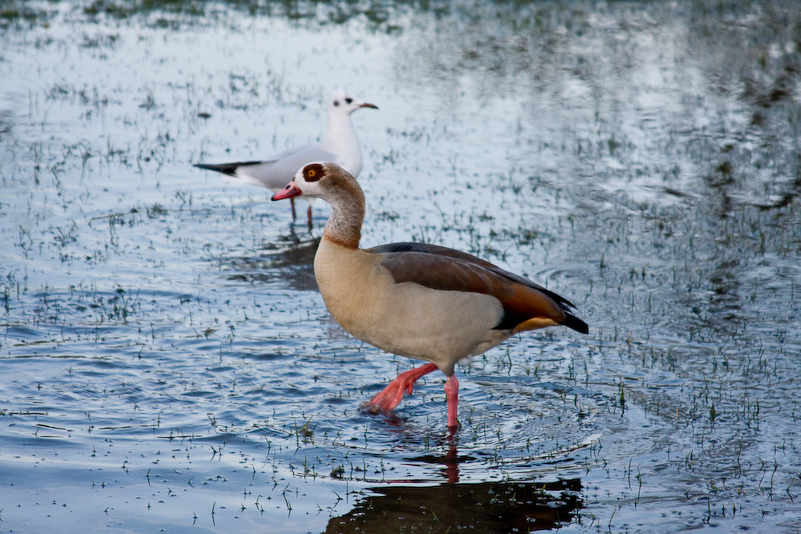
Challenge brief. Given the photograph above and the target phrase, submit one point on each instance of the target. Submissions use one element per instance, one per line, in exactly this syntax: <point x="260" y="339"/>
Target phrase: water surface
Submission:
<point x="168" y="364"/>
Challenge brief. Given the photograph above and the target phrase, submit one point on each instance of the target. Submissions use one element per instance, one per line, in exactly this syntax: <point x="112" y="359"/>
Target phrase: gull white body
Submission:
<point x="417" y="300"/>
<point x="339" y="144"/>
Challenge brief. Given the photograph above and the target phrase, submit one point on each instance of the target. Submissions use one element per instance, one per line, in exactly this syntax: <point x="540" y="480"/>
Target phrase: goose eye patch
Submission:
<point x="313" y="172"/>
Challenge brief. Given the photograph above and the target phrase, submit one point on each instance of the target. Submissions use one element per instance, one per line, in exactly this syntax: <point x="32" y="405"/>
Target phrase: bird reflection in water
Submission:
<point x="489" y="507"/>
<point x="289" y="260"/>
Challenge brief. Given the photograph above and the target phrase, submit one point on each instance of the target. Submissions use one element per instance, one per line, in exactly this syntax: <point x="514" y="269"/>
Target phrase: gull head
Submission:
<point x="344" y="103"/>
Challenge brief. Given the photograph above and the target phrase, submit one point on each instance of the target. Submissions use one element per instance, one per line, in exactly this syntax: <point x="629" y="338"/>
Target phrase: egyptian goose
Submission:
<point x="339" y="144"/>
<point x="416" y="300"/>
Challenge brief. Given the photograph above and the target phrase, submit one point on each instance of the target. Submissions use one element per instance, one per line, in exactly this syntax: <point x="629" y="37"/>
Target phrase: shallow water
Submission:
<point x="167" y="362"/>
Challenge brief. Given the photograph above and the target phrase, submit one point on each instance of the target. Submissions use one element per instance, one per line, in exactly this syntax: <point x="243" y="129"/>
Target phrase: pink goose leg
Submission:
<point x="404" y="382"/>
<point x="452" y="394"/>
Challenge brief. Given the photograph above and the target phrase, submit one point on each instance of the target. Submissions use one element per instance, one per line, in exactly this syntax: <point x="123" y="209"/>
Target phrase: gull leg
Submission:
<point x="393" y="393"/>
<point x="292" y="203"/>
<point x="308" y="213"/>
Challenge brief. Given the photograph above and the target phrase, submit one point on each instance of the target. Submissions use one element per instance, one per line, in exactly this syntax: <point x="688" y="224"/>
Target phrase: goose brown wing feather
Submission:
<point x="450" y="270"/>
<point x="425" y="248"/>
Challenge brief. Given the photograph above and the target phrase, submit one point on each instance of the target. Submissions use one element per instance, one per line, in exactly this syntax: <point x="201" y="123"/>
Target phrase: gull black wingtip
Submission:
<point x="224" y="168"/>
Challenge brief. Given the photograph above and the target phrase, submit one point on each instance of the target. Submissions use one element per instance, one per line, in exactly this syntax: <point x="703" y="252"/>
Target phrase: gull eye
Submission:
<point x="349" y="101"/>
<point x="336" y="102"/>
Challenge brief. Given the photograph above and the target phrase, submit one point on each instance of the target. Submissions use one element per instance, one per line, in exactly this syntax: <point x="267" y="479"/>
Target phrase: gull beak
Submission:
<point x="367" y="105"/>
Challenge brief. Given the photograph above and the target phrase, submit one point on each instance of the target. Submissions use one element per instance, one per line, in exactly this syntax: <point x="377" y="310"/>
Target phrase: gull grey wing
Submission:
<point x="225" y="168"/>
<point x="276" y="171"/>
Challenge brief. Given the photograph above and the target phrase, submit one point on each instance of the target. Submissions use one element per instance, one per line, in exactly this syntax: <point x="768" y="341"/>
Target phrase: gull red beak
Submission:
<point x="289" y="191"/>
<point x="366" y="105"/>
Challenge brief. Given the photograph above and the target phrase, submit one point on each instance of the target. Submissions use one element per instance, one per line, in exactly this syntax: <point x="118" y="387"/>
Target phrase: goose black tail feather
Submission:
<point x="571" y="321"/>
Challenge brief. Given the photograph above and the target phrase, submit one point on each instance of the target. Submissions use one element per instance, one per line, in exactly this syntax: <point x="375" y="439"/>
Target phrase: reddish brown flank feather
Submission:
<point x="450" y="270"/>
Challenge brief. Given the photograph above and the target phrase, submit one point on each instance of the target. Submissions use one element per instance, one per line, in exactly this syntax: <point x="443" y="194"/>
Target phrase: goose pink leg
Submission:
<point x="404" y="382"/>
<point x="452" y="394"/>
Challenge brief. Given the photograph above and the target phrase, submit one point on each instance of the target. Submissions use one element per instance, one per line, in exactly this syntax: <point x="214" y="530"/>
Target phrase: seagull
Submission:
<point x="417" y="300"/>
<point x="339" y="145"/>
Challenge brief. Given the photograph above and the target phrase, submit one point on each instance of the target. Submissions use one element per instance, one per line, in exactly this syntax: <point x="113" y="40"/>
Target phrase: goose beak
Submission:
<point x="291" y="190"/>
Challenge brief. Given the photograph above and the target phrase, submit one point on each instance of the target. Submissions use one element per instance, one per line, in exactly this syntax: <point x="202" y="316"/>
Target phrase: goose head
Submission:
<point x="336" y="186"/>
<point x="323" y="180"/>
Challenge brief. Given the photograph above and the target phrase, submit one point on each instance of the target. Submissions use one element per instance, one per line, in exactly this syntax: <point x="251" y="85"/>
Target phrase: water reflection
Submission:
<point x="450" y="463"/>
<point x="489" y="506"/>
<point x="289" y="258"/>
<point x="484" y="507"/>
